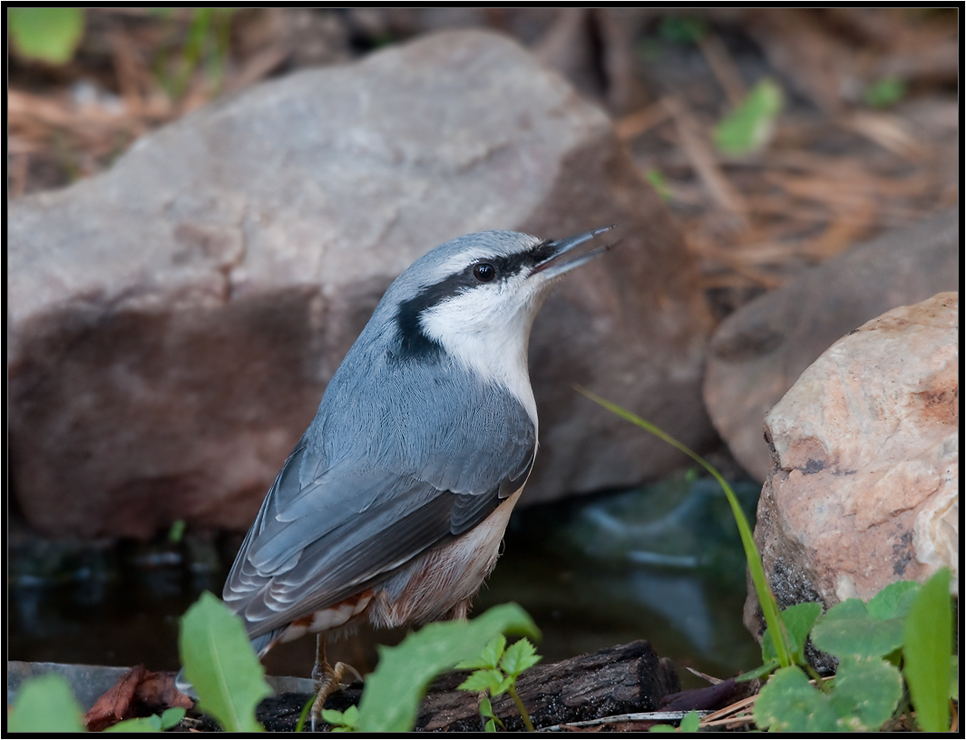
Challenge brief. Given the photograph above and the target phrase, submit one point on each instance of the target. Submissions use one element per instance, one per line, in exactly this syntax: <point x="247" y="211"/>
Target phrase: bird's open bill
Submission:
<point x="552" y="265"/>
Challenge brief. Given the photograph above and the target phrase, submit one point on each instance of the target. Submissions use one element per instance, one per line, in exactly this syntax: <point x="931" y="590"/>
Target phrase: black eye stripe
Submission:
<point x="413" y="341"/>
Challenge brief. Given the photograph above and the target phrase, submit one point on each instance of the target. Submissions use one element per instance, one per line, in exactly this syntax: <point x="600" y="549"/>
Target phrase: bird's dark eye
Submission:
<point x="484" y="272"/>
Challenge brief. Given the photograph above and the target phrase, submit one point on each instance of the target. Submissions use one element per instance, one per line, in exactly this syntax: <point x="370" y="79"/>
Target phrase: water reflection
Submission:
<point x="663" y="563"/>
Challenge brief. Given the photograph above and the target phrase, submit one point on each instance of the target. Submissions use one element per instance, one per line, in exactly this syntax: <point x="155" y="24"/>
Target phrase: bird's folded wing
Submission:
<point x="321" y="538"/>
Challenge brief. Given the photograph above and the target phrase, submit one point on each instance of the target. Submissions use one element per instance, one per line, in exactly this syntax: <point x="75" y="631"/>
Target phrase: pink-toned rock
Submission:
<point x="865" y="447"/>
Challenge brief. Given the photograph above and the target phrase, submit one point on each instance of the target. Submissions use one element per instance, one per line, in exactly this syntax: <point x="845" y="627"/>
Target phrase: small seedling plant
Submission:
<point x="495" y="671"/>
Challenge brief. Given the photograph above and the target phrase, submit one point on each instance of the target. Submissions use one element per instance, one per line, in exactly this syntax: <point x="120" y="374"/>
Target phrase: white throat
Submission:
<point x="488" y="339"/>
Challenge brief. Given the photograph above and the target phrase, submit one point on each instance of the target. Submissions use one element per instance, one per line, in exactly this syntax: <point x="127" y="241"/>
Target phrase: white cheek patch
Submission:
<point x="487" y="330"/>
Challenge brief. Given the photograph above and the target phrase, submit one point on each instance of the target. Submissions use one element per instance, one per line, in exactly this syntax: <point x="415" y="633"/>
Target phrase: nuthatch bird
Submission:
<point x="392" y="507"/>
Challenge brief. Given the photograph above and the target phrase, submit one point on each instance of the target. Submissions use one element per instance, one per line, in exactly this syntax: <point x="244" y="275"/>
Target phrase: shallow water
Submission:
<point x="662" y="563"/>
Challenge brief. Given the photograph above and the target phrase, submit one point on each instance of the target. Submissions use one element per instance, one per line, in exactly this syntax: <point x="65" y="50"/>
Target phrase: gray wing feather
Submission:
<point x="413" y="463"/>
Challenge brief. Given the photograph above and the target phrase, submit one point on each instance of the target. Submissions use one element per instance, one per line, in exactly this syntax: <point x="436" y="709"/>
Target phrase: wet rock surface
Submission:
<point x="864" y="488"/>
<point x="173" y="322"/>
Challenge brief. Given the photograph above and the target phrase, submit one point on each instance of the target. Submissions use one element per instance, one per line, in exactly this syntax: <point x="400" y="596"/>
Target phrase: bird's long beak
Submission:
<point x="551" y="265"/>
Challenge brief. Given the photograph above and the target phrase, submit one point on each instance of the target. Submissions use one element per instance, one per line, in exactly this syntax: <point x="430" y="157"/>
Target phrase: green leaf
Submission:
<point x="177" y="531"/>
<point x="928" y="647"/>
<point x="682" y="30"/>
<point x="659" y="184"/>
<point x="341" y="721"/>
<point x="884" y="93"/>
<point x="486" y="708"/>
<point x="46" y="704"/>
<point x="690" y="722"/>
<point x="138" y="724"/>
<point x="520" y="656"/>
<point x="893" y="601"/>
<point x="303" y="715"/>
<point x="48" y="34"/>
<point x="848" y="629"/>
<point x="663" y="728"/>
<point x="219" y="661"/>
<point x="760" y="671"/>
<point x="476" y="681"/>
<point x="488" y="658"/>
<point x="866" y="693"/>
<point x="788" y="703"/>
<point x="502" y="686"/>
<point x="394" y="689"/>
<point x="171" y="717"/>
<point x="485" y="679"/>
<point x="798" y="620"/>
<point x="749" y="126"/>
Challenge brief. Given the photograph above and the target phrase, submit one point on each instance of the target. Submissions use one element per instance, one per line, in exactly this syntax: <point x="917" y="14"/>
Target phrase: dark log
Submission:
<point x="618" y="680"/>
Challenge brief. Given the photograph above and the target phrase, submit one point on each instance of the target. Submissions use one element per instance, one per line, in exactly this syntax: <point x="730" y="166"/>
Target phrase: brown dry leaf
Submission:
<point x="157" y="689"/>
<point x="115" y="702"/>
<point x="137" y="691"/>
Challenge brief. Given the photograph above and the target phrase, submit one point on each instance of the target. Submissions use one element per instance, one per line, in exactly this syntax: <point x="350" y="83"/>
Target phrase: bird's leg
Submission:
<point x="327" y="679"/>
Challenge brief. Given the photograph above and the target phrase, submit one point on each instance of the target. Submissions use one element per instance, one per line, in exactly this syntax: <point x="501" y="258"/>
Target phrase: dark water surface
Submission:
<point x="663" y="563"/>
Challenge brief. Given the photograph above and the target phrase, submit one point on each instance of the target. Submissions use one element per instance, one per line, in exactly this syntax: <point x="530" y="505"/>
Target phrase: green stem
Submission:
<point x="820" y="682"/>
<point x="769" y="607"/>
<point x="522" y="709"/>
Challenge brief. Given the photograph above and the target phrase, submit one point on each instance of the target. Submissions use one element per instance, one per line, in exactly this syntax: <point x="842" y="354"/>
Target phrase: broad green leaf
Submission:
<point x="866" y="693"/>
<point x="798" y="620"/>
<point x="48" y="34"/>
<point x="928" y="647"/>
<point x="518" y="657"/>
<point x="749" y="126"/>
<point x="138" y="724"/>
<point x="848" y="629"/>
<point x="219" y="661"/>
<point x="788" y="703"/>
<point x="663" y="728"/>
<point x="46" y="704"/>
<point x="171" y="717"/>
<point x="394" y="689"/>
<point x="893" y="601"/>
<point x="690" y="722"/>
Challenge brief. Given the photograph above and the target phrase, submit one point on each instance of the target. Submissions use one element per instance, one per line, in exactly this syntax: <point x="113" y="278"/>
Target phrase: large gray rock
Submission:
<point x="759" y="351"/>
<point x="174" y="321"/>
<point x="864" y="489"/>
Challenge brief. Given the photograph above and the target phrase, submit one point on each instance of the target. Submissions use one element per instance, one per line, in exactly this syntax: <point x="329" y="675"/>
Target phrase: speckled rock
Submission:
<point x="864" y="488"/>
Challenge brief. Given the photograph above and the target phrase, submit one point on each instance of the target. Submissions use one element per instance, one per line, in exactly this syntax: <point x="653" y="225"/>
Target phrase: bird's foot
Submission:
<point x="328" y="680"/>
